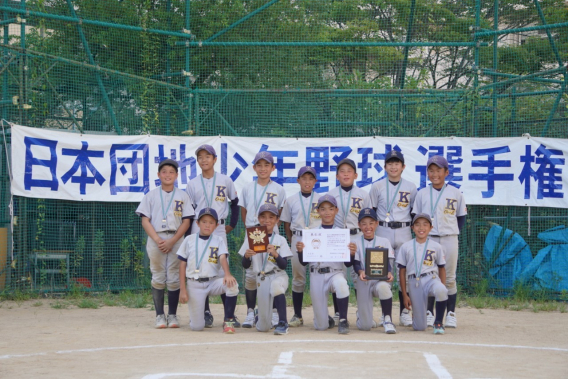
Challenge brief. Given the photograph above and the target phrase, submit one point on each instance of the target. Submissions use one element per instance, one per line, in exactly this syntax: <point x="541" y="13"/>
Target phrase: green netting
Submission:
<point x="289" y="68"/>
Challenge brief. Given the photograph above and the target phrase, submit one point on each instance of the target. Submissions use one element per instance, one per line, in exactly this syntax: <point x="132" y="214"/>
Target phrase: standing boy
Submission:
<point x="204" y="263"/>
<point x="368" y="289"/>
<point x="351" y="200"/>
<point x="326" y="277"/>
<point x="393" y="199"/>
<point x="213" y="190"/>
<point x="262" y="191"/>
<point x="269" y="270"/>
<point x="421" y="262"/>
<point x="299" y="213"/>
<point x="446" y="206"/>
<point x="166" y="214"/>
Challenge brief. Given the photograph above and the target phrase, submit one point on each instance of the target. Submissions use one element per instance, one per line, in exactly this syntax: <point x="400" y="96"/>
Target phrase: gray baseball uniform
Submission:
<point x="326" y="277"/>
<point x="350" y="204"/>
<point x="372" y="288"/>
<point x="253" y="196"/>
<point x="166" y="210"/>
<point x="393" y="204"/>
<point x="274" y="282"/>
<point x="213" y="193"/>
<point x="204" y="274"/>
<point x="444" y="206"/>
<point x="301" y="213"/>
<point x="421" y="261"/>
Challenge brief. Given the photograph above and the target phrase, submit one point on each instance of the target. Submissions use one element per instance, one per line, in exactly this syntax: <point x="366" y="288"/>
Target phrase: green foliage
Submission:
<point x="78" y="256"/>
<point x="99" y="255"/>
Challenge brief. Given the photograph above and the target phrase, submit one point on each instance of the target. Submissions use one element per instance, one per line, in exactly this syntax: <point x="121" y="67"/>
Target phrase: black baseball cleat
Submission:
<point x="331" y="322"/>
<point x="281" y="328"/>
<point x="236" y="322"/>
<point x="343" y="326"/>
<point x="208" y="319"/>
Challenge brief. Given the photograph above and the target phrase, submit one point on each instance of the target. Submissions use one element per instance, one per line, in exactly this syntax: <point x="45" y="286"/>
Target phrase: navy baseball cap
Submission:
<point x="348" y="161"/>
<point x="327" y="199"/>
<point x="208" y="212"/>
<point x="263" y="155"/>
<point x="422" y="215"/>
<point x="368" y="212"/>
<point x="393" y="154"/>
<point x="307" y="170"/>
<point x="207" y="148"/>
<point x="169" y="162"/>
<point x="439" y="161"/>
<point x="268" y="208"/>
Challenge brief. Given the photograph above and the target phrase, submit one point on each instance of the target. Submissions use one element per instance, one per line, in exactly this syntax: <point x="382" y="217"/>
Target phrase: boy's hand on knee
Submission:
<point x="390" y="278"/>
<point x="229" y="280"/>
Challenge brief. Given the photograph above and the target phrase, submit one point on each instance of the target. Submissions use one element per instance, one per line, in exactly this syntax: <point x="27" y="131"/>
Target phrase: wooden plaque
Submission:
<point x="377" y="263"/>
<point x="258" y="239"/>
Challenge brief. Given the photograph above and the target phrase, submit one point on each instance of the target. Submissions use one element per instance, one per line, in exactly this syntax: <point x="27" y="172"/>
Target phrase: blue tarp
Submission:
<point x="549" y="269"/>
<point x="508" y="254"/>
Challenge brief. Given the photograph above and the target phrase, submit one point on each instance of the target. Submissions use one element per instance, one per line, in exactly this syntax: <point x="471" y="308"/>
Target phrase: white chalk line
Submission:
<point x="285" y="362"/>
<point x="218" y="343"/>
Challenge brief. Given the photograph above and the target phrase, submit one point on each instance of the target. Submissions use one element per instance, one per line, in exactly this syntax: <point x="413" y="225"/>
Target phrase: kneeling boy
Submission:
<point x="202" y="257"/>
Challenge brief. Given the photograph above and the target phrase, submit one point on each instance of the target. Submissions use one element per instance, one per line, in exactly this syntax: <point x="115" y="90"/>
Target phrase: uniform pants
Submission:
<point x="298" y="270"/>
<point x="320" y="287"/>
<point x="272" y="286"/>
<point x="164" y="267"/>
<point x="428" y="286"/>
<point x="198" y="291"/>
<point x="451" y="246"/>
<point x="366" y="291"/>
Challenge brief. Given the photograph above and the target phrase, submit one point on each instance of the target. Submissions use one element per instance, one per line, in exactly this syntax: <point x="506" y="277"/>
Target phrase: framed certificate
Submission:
<point x="258" y="239"/>
<point x="377" y="263"/>
<point x="326" y="245"/>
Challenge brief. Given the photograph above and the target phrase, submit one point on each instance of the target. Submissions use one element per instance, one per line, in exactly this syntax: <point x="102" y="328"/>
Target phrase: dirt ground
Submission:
<point x="120" y="342"/>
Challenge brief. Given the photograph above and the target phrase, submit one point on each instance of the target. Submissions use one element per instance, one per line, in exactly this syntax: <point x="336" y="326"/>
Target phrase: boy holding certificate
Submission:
<point x="269" y="270"/>
<point x="368" y="289"/>
<point x="326" y="277"/>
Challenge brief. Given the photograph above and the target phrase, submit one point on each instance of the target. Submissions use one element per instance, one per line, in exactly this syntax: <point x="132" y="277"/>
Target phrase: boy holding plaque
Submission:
<point x="367" y="288"/>
<point x="166" y="215"/>
<point x="326" y="277"/>
<point x="269" y="269"/>
<point x="213" y="190"/>
<point x="261" y="191"/>
<point x="422" y="262"/>
<point x="203" y="262"/>
<point x="300" y="213"/>
<point x="393" y="198"/>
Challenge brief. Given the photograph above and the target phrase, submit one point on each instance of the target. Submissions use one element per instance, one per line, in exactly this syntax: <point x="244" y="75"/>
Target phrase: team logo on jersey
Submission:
<point x="271" y="258"/>
<point x="213" y="255"/>
<point x="270" y="198"/>
<point x="356" y="205"/>
<point x="221" y="194"/>
<point x="178" y="207"/>
<point x="429" y="258"/>
<point x="450" y="207"/>
<point x="403" y="200"/>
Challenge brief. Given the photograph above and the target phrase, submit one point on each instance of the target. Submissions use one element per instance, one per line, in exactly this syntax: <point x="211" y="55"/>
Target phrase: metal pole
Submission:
<point x="495" y="62"/>
<point x="22" y="79"/>
<point x="5" y="92"/>
<point x="189" y="96"/>
<point x="97" y="75"/>
<point x="405" y="59"/>
<point x="168" y="78"/>
<point x="550" y="39"/>
<point x="476" y="63"/>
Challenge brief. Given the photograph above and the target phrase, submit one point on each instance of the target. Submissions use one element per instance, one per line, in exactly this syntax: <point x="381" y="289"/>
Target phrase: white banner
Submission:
<point x="523" y="171"/>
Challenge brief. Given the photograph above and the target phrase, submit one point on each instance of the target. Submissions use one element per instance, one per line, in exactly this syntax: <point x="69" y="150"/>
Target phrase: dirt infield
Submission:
<point x="120" y="342"/>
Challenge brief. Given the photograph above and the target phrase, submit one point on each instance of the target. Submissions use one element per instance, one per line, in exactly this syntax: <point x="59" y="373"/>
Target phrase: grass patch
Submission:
<point x="88" y="303"/>
<point x="135" y="300"/>
<point x="37" y="304"/>
<point x="58" y="304"/>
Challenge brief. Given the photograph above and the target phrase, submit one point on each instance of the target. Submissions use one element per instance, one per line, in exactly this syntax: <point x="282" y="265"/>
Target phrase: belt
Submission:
<point x="168" y="231"/>
<point x="412" y="276"/>
<point x="271" y="272"/>
<point x="354" y="231"/>
<point x="297" y="232"/>
<point x="201" y="280"/>
<point x="325" y="270"/>
<point x="394" y="224"/>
